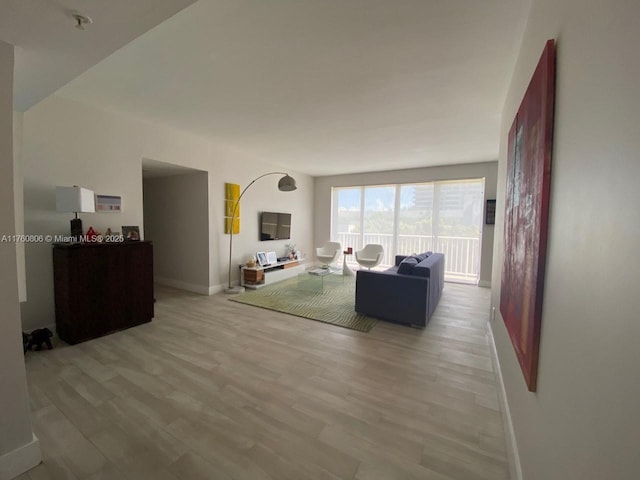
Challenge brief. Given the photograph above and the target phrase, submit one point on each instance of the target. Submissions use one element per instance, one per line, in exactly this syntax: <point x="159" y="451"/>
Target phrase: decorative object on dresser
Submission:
<point x="101" y="288"/>
<point x="131" y="233"/>
<point x="75" y="200"/>
<point x="285" y="184"/>
<point x="91" y="236"/>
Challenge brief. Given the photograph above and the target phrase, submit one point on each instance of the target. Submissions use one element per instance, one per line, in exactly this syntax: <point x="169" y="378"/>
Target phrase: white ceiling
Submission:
<point x="50" y="51"/>
<point x="319" y="86"/>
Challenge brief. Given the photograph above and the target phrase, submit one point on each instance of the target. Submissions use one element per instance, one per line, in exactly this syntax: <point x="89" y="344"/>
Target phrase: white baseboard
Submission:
<point x="484" y="283"/>
<point x="213" y="289"/>
<point x="20" y="460"/>
<point x="189" y="287"/>
<point x="510" y="435"/>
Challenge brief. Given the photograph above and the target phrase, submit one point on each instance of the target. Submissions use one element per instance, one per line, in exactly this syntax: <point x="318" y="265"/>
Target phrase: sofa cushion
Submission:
<point x="407" y="265"/>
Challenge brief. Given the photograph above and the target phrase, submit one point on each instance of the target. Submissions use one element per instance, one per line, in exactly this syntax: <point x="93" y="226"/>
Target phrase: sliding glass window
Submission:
<point x="442" y="217"/>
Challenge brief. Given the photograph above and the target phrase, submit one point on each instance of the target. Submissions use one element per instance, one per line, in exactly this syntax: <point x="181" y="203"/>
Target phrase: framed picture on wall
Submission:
<point x="490" y="213"/>
<point x="108" y="203"/>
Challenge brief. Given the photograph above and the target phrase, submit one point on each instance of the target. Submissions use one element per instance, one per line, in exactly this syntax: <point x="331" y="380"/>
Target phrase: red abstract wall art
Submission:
<point x="526" y="215"/>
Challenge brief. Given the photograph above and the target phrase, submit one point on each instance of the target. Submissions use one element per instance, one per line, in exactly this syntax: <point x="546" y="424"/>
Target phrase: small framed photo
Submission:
<point x="272" y="258"/>
<point x="262" y="259"/>
<point x="131" y="233"/>
<point x="490" y="213"/>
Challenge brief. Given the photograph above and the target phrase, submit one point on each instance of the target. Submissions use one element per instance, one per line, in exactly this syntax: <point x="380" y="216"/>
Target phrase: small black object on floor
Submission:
<point x="36" y="339"/>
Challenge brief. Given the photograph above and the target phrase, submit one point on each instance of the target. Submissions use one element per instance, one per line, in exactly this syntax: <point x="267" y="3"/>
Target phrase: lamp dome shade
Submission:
<point x="287" y="184"/>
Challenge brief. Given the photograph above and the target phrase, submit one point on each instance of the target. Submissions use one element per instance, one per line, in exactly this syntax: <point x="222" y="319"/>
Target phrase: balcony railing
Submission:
<point x="462" y="254"/>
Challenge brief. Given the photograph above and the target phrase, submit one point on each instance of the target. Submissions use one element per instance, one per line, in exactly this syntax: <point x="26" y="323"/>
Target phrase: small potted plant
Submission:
<point x="291" y="250"/>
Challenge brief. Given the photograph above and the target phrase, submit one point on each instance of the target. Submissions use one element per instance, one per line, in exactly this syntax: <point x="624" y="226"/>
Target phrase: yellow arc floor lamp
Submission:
<point x="285" y="184"/>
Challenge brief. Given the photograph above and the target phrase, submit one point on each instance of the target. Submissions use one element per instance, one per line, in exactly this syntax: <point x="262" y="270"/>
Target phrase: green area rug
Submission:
<point x="333" y="303"/>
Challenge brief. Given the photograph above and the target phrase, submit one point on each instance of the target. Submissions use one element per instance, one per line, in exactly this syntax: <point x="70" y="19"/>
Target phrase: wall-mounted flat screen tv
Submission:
<point x="275" y="226"/>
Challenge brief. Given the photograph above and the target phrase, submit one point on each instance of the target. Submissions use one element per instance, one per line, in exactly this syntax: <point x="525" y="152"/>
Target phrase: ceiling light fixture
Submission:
<point x="81" y="20"/>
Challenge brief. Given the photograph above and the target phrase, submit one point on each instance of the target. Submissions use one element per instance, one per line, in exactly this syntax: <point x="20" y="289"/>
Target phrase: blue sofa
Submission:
<point x="407" y="293"/>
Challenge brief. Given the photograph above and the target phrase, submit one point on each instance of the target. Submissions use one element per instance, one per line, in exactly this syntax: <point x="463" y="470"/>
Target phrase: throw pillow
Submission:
<point x="406" y="266"/>
<point x="420" y="257"/>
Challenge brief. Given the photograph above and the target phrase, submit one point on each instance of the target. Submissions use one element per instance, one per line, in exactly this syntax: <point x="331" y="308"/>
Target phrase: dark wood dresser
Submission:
<point x="101" y="288"/>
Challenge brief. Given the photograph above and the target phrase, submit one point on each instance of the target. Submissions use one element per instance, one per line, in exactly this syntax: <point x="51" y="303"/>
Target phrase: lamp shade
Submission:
<point x="75" y="199"/>
<point x="287" y="184"/>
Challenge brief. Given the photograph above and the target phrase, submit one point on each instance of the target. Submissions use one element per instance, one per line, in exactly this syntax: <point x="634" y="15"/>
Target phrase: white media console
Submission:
<point x="256" y="277"/>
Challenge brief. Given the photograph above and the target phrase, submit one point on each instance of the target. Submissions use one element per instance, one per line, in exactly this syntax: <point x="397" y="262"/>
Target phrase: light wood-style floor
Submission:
<point x="213" y="389"/>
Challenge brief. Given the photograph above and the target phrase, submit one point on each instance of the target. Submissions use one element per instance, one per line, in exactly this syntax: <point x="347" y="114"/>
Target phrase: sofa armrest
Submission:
<point x="394" y="297"/>
<point x="433" y="267"/>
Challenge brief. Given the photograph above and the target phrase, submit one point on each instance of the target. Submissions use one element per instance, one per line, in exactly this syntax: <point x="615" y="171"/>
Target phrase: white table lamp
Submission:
<point x="77" y="200"/>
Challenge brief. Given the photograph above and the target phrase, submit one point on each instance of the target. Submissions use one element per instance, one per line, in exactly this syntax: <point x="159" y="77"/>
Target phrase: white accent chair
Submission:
<point x="328" y="253"/>
<point x="370" y="256"/>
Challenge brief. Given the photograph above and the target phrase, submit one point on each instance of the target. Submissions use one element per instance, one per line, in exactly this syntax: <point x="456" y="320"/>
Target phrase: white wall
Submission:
<point x="176" y="220"/>
<point x="488" y="170"/>
<point x="66" y="143"/>
<point x="583" y="422"/>
<point x="19" y="448"/>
